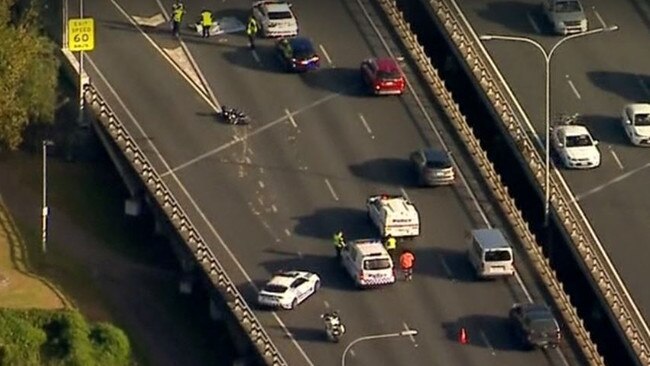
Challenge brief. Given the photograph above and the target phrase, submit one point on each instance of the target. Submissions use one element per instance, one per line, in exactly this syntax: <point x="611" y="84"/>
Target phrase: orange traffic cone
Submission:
<point x="462" y="336"/>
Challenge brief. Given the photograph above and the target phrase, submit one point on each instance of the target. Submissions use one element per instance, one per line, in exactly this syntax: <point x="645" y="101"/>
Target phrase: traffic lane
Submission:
<point x="620" y="220"/>
<point x="153" y="92"/>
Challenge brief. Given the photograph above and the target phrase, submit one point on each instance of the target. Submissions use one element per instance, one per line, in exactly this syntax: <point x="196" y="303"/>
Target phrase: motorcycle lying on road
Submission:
<point x="234" y="116"/>
<point x="334" y="328"/>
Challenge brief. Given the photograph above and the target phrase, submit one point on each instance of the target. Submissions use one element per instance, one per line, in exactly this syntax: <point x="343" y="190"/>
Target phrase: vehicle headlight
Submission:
<point x="583" y="23"/>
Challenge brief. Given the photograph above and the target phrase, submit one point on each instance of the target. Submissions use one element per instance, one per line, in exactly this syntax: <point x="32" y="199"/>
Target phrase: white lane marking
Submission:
<point x="327" y="304"/>
<point x="406" y="327"/>
<point x="287" y="232"/>
<point x="290" y="118"/>
<point x="256" y="56"/>
<point x="645" y="88"/>
<point x="621" y="177"/>
<point x="475" y="201"/>
<point x="274" y="208"/>
<point x="447" y="268"/>
<point x="533" y="23"/>
<point x="366" y="125"/>
<point x="487" y="342"/>
<point x="327" y="56"/>
<point x="352" y="353"/>
<point x="199" y="89"/>
<point x="618" y="161"/>
<point x="152" y="21"/>
<point x="573" y="87"/>
<point x="237" y="139"/>
<point x="329" y="186"/>
<point x="196" y="207"/>
<point x="401" y="189"/>
<point x="600" y="18"/>
<point x="260" y="183"/>
<point x="260" y="200"/>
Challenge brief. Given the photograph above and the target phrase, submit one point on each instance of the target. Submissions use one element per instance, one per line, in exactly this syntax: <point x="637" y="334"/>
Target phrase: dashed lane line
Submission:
<point x="327" y="56"/>
<point x="331" y="189"/>
<point x="618" y="161"/>
<point x="366" y="125"/>
<point x="573" y="87"/>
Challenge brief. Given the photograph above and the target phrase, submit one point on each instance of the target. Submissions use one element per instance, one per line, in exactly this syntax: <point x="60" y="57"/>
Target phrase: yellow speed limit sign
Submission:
<point x="81" y="34"/>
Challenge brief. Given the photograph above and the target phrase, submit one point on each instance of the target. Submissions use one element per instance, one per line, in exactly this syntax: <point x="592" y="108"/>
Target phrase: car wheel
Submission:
<point x="293" y="304"/>
<point x="316" y="286"/>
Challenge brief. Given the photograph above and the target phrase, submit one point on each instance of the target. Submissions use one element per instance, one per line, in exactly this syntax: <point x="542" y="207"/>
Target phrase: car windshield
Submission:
<point x="438" y="164"/>
<point x="568" y="6"/>
<point x="497" y="255"/>
<point x="388" y="75"/>
<point x="642" y="119"/>
<point x="280" y="15"/>
<point x="303" y="50"/>
<point x="277" y="289"/>
<point x="578" y="141"/>
<point x="374" y="264"/>
<point x="543" y="325"/>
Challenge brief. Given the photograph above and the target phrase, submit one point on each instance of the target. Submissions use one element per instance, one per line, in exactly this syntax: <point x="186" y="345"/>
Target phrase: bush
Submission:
<point x="40" y="337"/>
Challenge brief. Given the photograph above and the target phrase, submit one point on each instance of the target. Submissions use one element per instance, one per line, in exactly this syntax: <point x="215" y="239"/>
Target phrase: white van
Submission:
<point x="368" y="263"/>
<point x="490" y="253"/>
<point x="394" y="215"/>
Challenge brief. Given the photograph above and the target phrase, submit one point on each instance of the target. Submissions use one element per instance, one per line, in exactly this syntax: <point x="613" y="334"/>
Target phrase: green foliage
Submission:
<point x="41" y="337"/>
<point x="28" y="74"/>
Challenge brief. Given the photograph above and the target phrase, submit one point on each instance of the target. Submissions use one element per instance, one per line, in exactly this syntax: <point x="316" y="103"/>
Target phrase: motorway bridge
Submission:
<point x="269" y="196"/>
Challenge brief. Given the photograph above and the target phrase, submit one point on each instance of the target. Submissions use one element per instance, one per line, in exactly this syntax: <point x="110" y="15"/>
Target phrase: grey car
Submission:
<point x="535" y="325"/>
<point x="433" y="167"/>
<point x="566" y="16"/>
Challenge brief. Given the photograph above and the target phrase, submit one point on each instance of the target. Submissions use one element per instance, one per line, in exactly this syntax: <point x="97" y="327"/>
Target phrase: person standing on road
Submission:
<point x="251" y="31"/>
<point x="339" y="243"/>
<point x="178" y="10"/>
<point x="206" y="22"/>
<point x="391" y="244"/>
<point x="406" y="260"/>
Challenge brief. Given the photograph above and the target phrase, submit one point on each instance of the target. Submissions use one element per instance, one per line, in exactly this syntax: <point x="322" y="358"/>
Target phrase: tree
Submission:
<point x="28" y="73"/>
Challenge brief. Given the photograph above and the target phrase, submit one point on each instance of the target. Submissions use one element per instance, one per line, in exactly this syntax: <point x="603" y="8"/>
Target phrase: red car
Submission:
<point x="383" y="76"/>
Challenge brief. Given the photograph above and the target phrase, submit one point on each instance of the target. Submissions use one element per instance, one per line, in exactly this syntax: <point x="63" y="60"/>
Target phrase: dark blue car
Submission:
<point x="298" y="54"/>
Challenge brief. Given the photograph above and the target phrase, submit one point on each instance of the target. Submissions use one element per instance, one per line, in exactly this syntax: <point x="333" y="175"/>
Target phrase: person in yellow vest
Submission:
<point x="391" y="244"/>
<point x="206" y="22"/>
<point x="178" y="11"/>
<point x="251" y="31"/>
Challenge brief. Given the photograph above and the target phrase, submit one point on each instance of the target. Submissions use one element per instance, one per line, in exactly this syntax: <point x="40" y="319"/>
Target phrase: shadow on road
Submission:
<point x="443" y="263"/>
<point x="391" y="171"/>
<point x="344" y="81"/>
<point x="323" y="223"/>
<point x="268" y="60"/>
<point x="625" y="84"/>
<point x="488" y="331"/>
<point x="302" y="334"/>
<point x="606" y="129"/>
<point x="514" y="15"/>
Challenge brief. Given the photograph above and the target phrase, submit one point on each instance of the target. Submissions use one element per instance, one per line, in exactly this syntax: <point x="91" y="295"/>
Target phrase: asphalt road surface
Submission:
<point x="594" y="76"/>
<point x="269" y="196"/>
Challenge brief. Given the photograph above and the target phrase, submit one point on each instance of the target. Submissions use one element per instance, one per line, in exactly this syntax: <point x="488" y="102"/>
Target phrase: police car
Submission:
<point x="275" y="19"/>
<point x="394" y="215"/>
<point x="288" y="289"/>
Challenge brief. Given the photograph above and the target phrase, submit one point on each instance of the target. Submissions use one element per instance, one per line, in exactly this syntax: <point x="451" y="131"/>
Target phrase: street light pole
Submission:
<point x="44" y="208"/>
<point x="404" y="333"/>
<point x="548" y="56"/>
<point x="81" y="73"/>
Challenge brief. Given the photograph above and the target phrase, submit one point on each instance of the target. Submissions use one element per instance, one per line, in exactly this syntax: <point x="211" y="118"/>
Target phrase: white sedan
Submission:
<point x="636" y="123"/>
<point x="575" y="146"/>
<point x="288" y="289"/>
<point x="275" y="19"/>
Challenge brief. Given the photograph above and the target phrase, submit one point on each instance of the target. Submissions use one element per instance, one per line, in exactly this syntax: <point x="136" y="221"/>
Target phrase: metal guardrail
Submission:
<point x="499" y="190"/>
<point x="181" y="221"/>
<point x="595" y="260"/>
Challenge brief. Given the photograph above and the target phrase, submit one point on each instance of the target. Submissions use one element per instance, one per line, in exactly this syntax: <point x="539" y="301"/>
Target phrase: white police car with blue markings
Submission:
<point x="368" y="263"/>
<point x="288" y="289"/>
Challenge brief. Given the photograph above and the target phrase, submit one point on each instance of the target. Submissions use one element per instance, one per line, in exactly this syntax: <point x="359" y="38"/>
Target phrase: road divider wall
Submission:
<point x="178" y="218"/>
<point x="493" y="180"/>
<point x="586" y="244"/>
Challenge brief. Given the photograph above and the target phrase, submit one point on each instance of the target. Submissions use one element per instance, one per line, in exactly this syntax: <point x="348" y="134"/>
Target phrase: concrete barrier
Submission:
<point x="491" y="177"/>
<point x="586" y="244"/>
<point x="177" y="217"/>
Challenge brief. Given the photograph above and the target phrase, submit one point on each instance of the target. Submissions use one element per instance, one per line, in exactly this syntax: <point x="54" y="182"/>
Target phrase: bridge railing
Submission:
<point x="568" y="212"/>
<point x="180" y="220"/>
<point x="492" y="178"/>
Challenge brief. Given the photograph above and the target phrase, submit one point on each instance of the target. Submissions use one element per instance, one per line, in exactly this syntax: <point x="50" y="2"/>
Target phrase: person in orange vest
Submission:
<point x="406" y="261"/>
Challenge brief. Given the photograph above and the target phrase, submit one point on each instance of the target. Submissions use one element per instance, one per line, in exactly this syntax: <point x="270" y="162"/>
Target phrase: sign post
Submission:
<point x="81" y="37"/>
